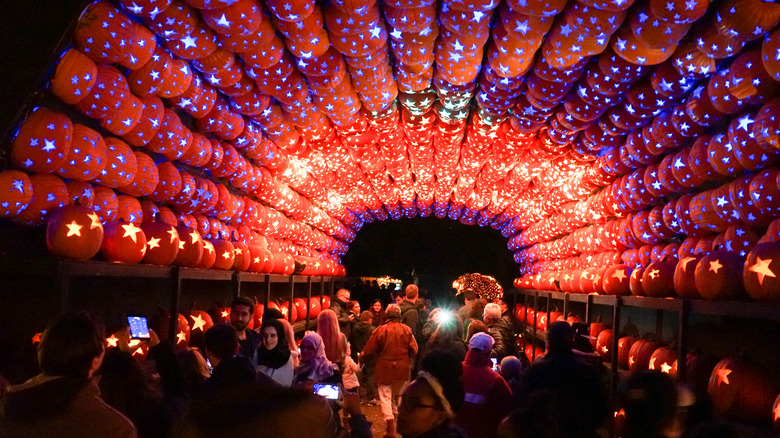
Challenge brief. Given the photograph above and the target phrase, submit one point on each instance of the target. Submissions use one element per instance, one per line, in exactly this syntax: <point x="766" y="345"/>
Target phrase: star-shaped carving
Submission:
<point x="227" y="255"/>
<point x="723" y="375"/>
<point x="630" y="360"/>
<point x="653" y="273"/>
<point x="74" y="229"/>
<point x="95" y="221"/>
<point x="208" y="246"/>
<point x="651" y="365"/>
<point x="154" y="242"/>
<point x="715" y="266"/>
<point x="620" y="275"/>
<point x="36" y="339"/>
<point x="761" y="268"/>
<point x="131" y="231"/>
<point x="198" y="322"/>
<point x="112" y="341"/>
<point x="684" y="262"/>
<point x="776" y="412"/>
<point x="174" y="234"/>
<point x="182" y="337"/>
<point x="666" y="368"/>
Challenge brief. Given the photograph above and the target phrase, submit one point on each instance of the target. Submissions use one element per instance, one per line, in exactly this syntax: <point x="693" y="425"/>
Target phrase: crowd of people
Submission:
<point x="435" y="373"/>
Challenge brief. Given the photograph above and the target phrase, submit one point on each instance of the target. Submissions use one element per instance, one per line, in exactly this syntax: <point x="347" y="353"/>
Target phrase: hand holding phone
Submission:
<point x="495" y="363"/>
<point x="139" y="327"/>
<point x="329" y="391"/>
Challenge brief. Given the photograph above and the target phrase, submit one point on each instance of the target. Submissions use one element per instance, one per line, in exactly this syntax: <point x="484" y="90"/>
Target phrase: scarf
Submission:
<point x="319" y="367"/>
<point x="280" y="354"/>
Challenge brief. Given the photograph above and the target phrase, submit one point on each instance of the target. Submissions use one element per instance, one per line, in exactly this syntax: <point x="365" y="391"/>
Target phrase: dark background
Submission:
<point x="439" y="251"/>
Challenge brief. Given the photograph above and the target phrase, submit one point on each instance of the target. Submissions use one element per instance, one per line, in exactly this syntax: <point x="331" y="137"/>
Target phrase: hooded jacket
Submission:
<point x="488" y="397"/>
<point x="393" y="345"/>
<point x="504" y="335"/>
<point x="60" y="407"/>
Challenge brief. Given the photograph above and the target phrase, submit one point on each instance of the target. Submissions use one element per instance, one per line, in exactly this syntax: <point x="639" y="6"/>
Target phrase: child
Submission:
<point x="349" y="377"/>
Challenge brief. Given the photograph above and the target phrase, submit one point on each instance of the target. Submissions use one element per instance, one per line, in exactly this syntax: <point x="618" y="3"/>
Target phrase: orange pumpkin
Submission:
<point x="49" y="193"/>
<point x="123" y="242"/>
<point x="225" y="254"/>
<point x="74" y="77"/>
<point x="658" y="279"/>
<point x="742" y="390"/>
<point x="87" y="156"/>
<point x="208" y="257"/>
<point x="760" y="272"/>
<point x="16" y="192"/>
<point x="616" y="280"/>
<point x="640" y="354"/>
<point x="190" y="247"/>
<point x="162" y="243"/>
<point x="75" y="232"/>
<point x="664" y="359"/>
<point x="43" y="141"/>
<point x="684" y="277"/>
<point x="719" y="276"/>
<point x="624" y="350"/>
<point x="604" y="344"/>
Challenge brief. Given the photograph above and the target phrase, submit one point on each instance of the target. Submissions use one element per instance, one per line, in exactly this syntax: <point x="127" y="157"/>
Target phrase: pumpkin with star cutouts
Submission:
<point x="190" y="247"/>
<point x="615" y="280"/>
<point x="123" y="242"/>
<point x="760" y="272"/>
<point x="162" y="242"/>
<point x="75" y="232"/>
<point x="658" y="279"/>
<point x="718" y="276"/>
<point x="684" y="276"/>
<point x="742" y="390"/>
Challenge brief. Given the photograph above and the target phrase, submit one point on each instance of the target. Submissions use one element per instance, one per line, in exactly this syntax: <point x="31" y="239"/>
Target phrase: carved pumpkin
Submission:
<point x="596" y="328"/>
<point x="604" y="345"/>
<point x="314" y="307"/>
<point x="74" y="232"/>
<point x="49" y="193"/>
<point x="624" y="348"/>
<point x="123" y="242"/>
<point x="162" y="243"/>
<point x="760" y="272"/>
<point x="243" y="258"/>
<point x="291" y="316"/>
<point x="635" y="282"/>
<point x="719" y="276"/>
<point x="684" y="277"/>
<point x="616" y="280"/>
<point x="658" y="279"/>
<point x="74" y="77"/>
<point x="43" y="141"/>
<point x="742" y="390"/>
<point x="225" y="254"/>
<point x="640" y="354"/>
<point x="199" y="320"/>
<point x="16" y="192"/>
<point x="776" y="414"/>
<point x="326" y="302"/>
<point x="300" y="307"/>
<point x="664" y="360"/>
<point x="530" y="351"/>
<point x="208" y="257"/>
<point x="190" y="247"/>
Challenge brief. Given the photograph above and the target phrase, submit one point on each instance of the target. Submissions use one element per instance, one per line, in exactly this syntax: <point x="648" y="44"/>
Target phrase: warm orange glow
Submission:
<point x="95" y="221"/>
<point x="238" y="251"/>
<point x="195" y="237"/>
<point x="154" y="242"/>
<point x="174" y="234"/>
<point x="620" y="274"/>
<point x="652" y="363"/>
<point x="762" y="269"/>
<point x="133" y="343"/>
<point x="226" y="254"/>
<point x="225" y="313"/>
<point x="631" y="361"/>
<point x="653" y="273"/>
<point x="684" y="262"/>
<point x="131" y="231"/>
<point x="74" y="229"/>
<point x="620" y="413"/>
<point x="208" y="246"/>
<point x="112" y="341"/>
<point x="776" y="411"/>
<point x="36" y="338"/>
<point x="182" y="337"/>
<point x="198" y="322"/>
<point x="715" y="266"/>
<point x="723" y="375"/>
<point x="605" y="349"/>
<point x="666" y="368"/>
<point x="181" y="244"/>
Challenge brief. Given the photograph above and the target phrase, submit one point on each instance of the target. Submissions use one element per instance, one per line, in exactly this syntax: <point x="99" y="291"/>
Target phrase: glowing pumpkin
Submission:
<point x="75" y="232"/>
<point x="742" y="390"/>
<point x="123" y="242"/>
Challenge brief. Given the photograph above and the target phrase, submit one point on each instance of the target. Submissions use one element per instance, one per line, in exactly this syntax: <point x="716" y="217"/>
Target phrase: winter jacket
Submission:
<point x="55" y="407"/>
<point x="488" y="398"/>
<point x="339" y="307"/>
<point x="282" y="375"/>
<point x="230" y="373"/>
<point x="350" y="378"/>
<point x="248" y="346"/>
<point x="410" y="315"/>
<point x="393" y="344"/>
<point x="361" y="331"/>
<point x="503" y="333"/>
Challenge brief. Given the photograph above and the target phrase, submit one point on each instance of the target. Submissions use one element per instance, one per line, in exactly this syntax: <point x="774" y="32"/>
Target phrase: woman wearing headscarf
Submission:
<point x="315" y="366"/>
<point x="273" y="357"/>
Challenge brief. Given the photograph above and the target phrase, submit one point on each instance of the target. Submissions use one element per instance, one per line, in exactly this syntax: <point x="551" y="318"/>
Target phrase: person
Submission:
<point x="241" y="310"/>
<point x="448" y="336"/>
<point x="289" y="333"/>
<point x="469" y="296"/>
<point x="582" y="403"/>
<point x="154" y="405"/>
<point x="533" y="419"/>
<point x="474" y="328"/>
<point x="511" y="369"/>
<point x="353" y="307"/>
<point x="315" y="366"/>
<point x="273" y="357"/>
<point x="274" y="411"/>
<point x="339" y="307"/>
<point x="360" y="335"/>
<point x="230" y="369"/>
<point x="501" y="330"/>
<point x="650" y="403"/>
<point x="488" y="397"/>
<point x="394" y="347"/>
<point x="195" y="371"/>
<point x="429" y="403"/>
<point x="410" y="312"/>
<point x="377" y="313"/>
<point x="350" y="376"/>
<point x="582" y="347"/>
<point x="434" y="318"/>
<point x="64" y="400"/>
<point x="334" y="341"/>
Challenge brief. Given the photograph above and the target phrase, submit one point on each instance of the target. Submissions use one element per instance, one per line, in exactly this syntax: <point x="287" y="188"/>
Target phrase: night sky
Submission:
<point x="439" y="250"/>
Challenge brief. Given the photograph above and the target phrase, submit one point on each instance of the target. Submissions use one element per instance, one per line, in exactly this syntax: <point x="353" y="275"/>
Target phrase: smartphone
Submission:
<point x="139" y="327"/>
<point x="495" y="363"/>
<point x="329" y="391"/>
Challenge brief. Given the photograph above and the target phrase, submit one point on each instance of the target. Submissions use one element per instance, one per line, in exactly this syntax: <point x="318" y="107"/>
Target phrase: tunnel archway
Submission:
<point x="437" y="250"/>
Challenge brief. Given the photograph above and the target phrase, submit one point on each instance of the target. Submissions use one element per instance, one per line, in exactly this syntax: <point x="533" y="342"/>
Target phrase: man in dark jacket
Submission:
<point x="64" y="400"/>
<point x="230" y="368"/>
<point x="241" y="310"/>
<point x="410" y="312"/>
<point x="582" y="403"/>
<point x="501" y="331"/>
<point x="339" y="306"/>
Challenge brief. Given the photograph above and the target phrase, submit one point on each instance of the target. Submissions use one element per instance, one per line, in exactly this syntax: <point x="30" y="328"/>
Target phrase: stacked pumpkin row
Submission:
<point x="741" y="389"/>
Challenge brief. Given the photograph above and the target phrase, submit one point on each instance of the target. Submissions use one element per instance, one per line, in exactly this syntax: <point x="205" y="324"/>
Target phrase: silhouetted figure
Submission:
<point x="650" y="403"/>
<point x="230" y="368"/>
<point x="582" y="402"/>
<point x="534" y="419"/>
<point x="241" y="311"/>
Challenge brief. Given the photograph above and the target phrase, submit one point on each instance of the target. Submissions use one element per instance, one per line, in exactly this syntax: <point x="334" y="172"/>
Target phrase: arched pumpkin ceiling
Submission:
<point x="588" y="132"/>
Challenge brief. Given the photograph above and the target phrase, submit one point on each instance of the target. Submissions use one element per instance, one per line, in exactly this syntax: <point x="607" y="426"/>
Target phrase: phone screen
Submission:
<point x="330" y="392"/>
<point x="139" y="328"/>
<point x="495" y="363"/>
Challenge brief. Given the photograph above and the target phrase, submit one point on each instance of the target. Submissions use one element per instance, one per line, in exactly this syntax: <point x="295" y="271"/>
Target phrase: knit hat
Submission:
<point x="482" y="341"/>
